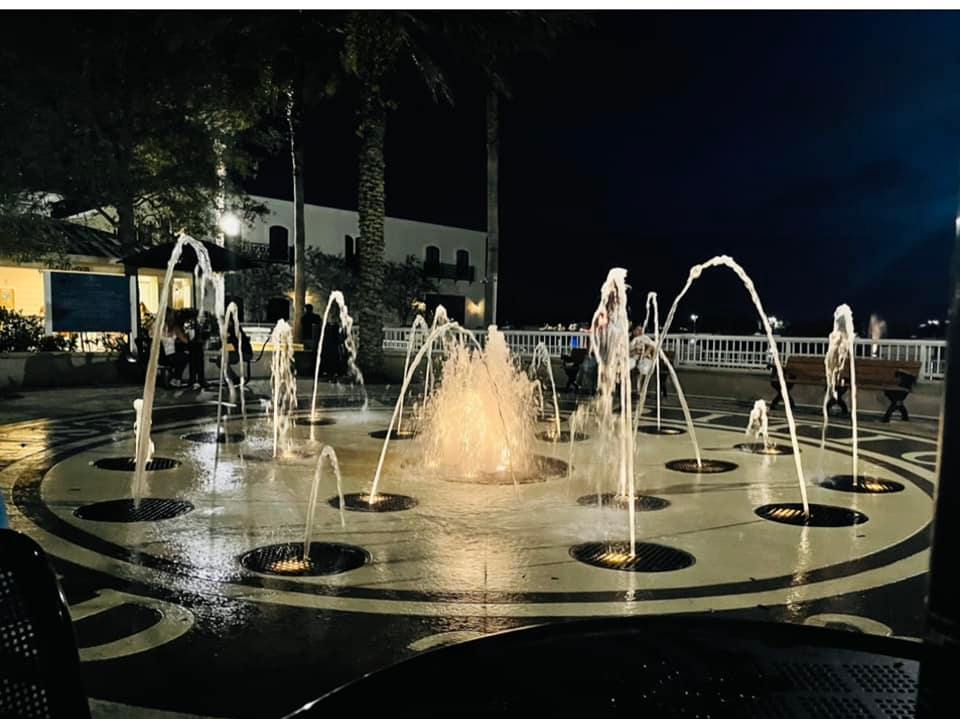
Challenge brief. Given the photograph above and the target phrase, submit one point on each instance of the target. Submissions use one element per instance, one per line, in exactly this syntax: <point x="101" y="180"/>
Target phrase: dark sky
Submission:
<point x="821" y="150"/>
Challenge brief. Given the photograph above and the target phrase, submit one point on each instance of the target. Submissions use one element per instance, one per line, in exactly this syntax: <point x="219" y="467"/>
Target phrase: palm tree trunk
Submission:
<point x="493" y="209"/>
<point x="126" y="225"/>
<point x="371" y="206"/>
<point x="299" y="224"/>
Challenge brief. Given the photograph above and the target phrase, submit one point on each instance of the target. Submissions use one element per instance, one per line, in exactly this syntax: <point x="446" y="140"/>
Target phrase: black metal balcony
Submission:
<point x="448" y="271"/>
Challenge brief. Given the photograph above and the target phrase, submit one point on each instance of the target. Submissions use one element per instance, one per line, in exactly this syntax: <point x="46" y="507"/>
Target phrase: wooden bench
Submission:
<point x="895" y="378"/>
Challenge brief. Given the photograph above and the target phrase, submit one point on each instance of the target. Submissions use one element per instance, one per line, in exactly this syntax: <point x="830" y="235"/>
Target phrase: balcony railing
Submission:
<point x="447" y="271"/>
<point x="260" y="251"/>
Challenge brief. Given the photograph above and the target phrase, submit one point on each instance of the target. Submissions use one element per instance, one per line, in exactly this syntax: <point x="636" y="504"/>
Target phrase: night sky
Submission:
<point x="821" y="150"/>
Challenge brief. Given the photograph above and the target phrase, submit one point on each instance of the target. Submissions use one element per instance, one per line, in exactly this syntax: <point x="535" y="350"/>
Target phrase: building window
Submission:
<point x="350" y="250"/>
<point x="432" y="255"/>
<point x="279" y="244"/>
<point x="463" y="261"/>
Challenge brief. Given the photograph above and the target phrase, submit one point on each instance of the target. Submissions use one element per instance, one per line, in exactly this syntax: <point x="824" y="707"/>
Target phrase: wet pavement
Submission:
<point x="169" y="620"/>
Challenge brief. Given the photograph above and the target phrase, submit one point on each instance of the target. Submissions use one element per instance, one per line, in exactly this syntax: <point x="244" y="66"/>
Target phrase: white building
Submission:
<point x="452" y="256"/>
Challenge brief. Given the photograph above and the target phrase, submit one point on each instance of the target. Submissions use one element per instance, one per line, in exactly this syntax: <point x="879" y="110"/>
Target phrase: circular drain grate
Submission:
<point x="564" y="436"/>
<point x="707" y="466"/>
<point x="315" y="421"/>
<point x="653" y="429"/>
<point x="150" y="509"/>
<point x="402" y="434"/>
<point x="545" y="468"/>
<point x="864" y="485"/>
<point x="648" y="557"/>
<point x="360" y="502"/>
<point x="129" y="464"/>
<point x="288" y="560"/>
<point x="641" y="502"/>
<point x="213" y="438"/>
<point x="760" y="448"/>
<point x="821" y="515"/>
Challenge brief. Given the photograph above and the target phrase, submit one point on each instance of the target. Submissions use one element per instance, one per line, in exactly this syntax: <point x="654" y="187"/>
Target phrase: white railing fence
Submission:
<point x="747" y="353"/>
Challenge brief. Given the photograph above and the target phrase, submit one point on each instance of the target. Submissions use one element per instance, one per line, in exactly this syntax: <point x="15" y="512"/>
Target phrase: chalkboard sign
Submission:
<point x="83" y="302"/>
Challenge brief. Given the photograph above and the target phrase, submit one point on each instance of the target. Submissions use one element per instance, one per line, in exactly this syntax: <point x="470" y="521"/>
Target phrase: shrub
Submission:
<point x="25" y="333"/>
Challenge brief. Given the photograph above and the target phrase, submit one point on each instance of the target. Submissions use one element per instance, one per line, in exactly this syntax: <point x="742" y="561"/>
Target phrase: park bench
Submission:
<point x="895" y="378"/>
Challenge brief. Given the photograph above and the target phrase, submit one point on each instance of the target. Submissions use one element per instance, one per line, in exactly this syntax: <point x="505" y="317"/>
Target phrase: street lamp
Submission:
<point x="694" y="318"/>
<point x="230" y="224"/>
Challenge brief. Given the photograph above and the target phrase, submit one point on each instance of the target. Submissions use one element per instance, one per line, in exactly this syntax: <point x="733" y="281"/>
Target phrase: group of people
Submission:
<point x="182" y="342"/>
<point x="640" y="361"/>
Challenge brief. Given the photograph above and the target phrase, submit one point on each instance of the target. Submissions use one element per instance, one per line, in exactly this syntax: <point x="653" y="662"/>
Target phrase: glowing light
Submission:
<point x="230" y="224"/>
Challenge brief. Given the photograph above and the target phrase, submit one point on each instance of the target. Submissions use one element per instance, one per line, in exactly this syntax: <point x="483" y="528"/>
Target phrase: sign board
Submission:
<point x="87" y="302"/>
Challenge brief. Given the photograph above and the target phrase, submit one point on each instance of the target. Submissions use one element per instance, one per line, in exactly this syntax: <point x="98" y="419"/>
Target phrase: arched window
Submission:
<point x="279" y="244"/>
<point x="432" y="255"/>
<point x="463" y="260"/>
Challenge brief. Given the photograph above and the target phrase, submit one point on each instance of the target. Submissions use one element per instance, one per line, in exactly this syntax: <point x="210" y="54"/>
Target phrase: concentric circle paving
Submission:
<point x="475" y="549"/>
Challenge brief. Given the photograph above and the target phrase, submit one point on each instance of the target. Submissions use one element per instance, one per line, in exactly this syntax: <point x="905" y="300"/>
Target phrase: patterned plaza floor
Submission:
<point x="169" y="620"/>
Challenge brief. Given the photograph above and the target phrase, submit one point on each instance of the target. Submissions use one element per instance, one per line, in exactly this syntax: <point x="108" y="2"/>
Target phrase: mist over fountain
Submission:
<point x="480" y="420"/>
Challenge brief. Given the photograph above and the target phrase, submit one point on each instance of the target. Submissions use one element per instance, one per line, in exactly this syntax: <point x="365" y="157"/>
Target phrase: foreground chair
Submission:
<point x="39" y="663"/>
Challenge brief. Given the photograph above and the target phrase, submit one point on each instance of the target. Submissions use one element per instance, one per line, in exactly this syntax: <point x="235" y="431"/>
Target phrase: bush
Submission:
<point x="24" y="333"/>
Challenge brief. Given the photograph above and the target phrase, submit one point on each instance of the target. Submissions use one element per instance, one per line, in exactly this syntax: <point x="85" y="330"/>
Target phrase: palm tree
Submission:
<point x="375" y="44"/>
<point x="489" y="42"/>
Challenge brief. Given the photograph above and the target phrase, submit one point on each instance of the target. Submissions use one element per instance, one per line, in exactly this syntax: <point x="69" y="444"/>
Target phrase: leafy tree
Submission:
<point x="488" y="43"/>
<point x="126" y="116"/>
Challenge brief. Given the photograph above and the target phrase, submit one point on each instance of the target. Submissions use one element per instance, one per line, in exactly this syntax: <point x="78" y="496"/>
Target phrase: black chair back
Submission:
<point x="39" y="663"/>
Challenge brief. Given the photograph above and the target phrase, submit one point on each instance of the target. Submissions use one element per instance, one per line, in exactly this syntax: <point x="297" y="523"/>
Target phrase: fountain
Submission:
<point x="144" y="441"/>
<point x="283" y="387"/>
<point x="541" y="358"/>
<point x="477" y="422"/>
<point x="329" y="454"/>
<point x="419" y="323"/>
<point x="309" y="558"/>
<point x="652" y="303"/>
<point x="725" y="261"/>
<point x="841" y="349"/>
<point x="232" y="312"/>
<point x="346" y="329"/>
<point x="758" y="427"/>
<point x="137" y="425"/>
<point x="697" y="462"/>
